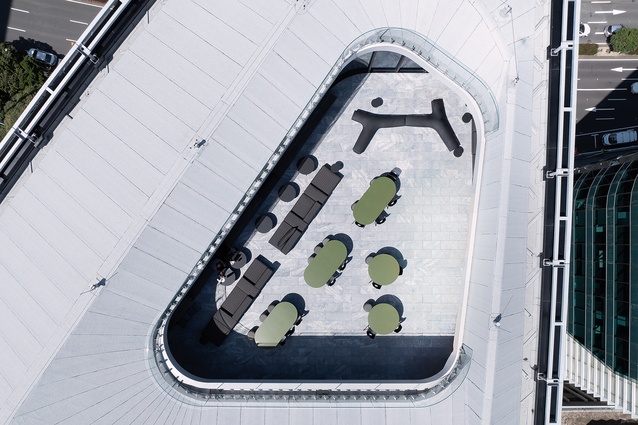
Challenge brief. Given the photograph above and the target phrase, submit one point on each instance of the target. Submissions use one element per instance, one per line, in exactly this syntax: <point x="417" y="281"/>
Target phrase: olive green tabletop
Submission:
<point x="374" y="200"/>
<point x="383" y="269"/>
<point x="280" y="320"/>
<point x="383" y="318"/>
<point x="325" y="264"/>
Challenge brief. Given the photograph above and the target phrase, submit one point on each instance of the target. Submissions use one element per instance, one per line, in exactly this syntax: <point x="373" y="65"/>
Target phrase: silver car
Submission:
<point x="43" y="57"/>
<point x="611" y="29"/>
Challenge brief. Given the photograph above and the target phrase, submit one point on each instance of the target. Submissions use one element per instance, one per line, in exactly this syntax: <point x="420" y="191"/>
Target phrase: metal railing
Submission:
<point x="23" y="131"/>
<point x="563" y="179"/>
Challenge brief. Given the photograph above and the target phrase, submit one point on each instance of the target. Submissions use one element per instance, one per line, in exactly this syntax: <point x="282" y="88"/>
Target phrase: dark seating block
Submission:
<point x="248" y="288"/>
<point x="286" y="237"/>
<point x="258" y="272"/>
<point x="236" y="303"/>
<point x="316" y="194"/>
<point x="306" y="208"/>
<point x="224" y="321"/>
<point x="326" y="180"/>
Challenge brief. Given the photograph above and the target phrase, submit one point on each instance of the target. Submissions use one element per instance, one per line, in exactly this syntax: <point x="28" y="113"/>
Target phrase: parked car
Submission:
<point x="620" y="137"/>
<point x="611" y="29"/>
<point x="634" y="88"/>
<point x="43" y="57"/>
<point x="584" y="30"/>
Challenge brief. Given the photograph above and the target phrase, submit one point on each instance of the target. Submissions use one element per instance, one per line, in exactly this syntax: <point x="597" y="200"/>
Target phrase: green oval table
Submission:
<point x="374" y="200"/>
<point x="383" y="319"/>
<point x="280" y="320"/>
<point x="384" y="269"/>
<point x="325" y="264"/>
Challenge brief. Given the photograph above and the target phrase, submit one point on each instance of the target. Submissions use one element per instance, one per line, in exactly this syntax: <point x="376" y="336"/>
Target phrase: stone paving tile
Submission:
<point x="428" y="226"/>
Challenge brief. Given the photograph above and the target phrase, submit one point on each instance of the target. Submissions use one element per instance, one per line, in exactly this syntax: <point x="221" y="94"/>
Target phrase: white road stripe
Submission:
<point x="19" y="10"/>
<point x="596" y="22"/>
<point x="78" y="22"/>
<point x="604" y="119"/>
<point x="16" y="29"/>
<point x="599" y="33"/>
<point x="84" y="3"/>
<point x="615" y="88"/>
<point x="601" y="1"/>
<point x="607" y="60"/>
<point x="616" y="99"/>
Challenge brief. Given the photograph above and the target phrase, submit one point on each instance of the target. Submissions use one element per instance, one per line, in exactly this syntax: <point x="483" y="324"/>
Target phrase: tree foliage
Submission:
<point x="625" y="40"/>
<point x="20" y="79"/>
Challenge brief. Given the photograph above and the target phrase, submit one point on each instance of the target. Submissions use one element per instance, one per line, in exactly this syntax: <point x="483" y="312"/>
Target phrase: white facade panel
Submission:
<point x="253" y="151"/>
<point x="306" y="61"/>
<point x="72" y="214"/>
<point x="115" y="152"/>
<point x="143" y="140"/>
<point x="272" y="101"/>
<point x="259" y="123"/>
<point x="147" y="111"/>
<point x="172" y="65"/>
<point x="196" y="207"/>
<point x="287" y="80"/>
<point x="213" y="185"/>
<point x="72" y="248"/>
<point x="153" y="269"/>
<point x="168" y="250"/>
<point x="181" y="104"/>
<point x="129" y="197"/>
<point x="67" y="279"/>
<point x="179" y="227"/>
<point x="86" y="193"/>
<point x="190" y="45"/>
<point x="225" y="160"/>
<point x="235" y="44"/>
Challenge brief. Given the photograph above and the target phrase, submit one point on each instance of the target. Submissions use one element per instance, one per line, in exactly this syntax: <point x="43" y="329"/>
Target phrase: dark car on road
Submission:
<point x="43" y="57"/>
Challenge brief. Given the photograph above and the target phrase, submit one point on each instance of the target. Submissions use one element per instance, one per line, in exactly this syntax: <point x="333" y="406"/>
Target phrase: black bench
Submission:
<point x="305" y="209"/>
<point x="238" y="301"/>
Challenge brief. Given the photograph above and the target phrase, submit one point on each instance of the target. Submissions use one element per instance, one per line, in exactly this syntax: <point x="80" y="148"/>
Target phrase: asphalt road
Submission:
<point x="51" y="24"/>
<point x="605" y="103"/>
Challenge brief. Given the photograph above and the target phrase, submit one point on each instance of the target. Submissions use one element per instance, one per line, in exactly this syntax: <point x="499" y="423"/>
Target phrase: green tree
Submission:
<point x="625" y="40"/>
<point x="20" y="79"/>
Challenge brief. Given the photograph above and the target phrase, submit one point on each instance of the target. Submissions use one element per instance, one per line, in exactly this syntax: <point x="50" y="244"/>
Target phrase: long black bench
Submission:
<point x="305" y="209"/>
<point x="437" y="120"/>
<point x="238" y="301"/>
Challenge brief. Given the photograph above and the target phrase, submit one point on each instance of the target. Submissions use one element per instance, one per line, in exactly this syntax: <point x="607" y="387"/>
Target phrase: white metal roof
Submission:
<point x="121" y="193"/>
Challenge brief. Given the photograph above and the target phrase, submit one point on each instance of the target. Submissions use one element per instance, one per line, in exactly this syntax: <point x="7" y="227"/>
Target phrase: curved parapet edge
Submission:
<point x="478" y="97"/>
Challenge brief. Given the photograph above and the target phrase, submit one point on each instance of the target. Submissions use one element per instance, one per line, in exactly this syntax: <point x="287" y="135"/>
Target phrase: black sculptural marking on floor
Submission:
<point x="437" y="120"/>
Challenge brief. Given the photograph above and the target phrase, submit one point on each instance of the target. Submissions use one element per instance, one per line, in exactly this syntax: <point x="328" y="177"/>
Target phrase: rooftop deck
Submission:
<point x="428" y="228"/>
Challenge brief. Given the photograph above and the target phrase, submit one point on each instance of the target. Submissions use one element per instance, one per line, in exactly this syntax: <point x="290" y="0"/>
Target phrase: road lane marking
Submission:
<point x="621" y="69"/>
<point x="616" y="99"/>
<point x="16" y="29"/>
<point x="19" y="10"/>
<point x="613" y="12"/>
<point x="615" y="88"/>
<point x="600" y="33"/>
<point x="607" y="60"/>
<point x="604" y="119"/>
<point x="85" y="3"/>
<point x="78" y="22"/>
<point x="601" y="1"/>
<point x="594" y="109"/>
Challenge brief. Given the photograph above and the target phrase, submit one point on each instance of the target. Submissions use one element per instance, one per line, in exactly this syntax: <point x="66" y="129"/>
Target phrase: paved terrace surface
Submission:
<point x="122" y="193"/>
<point x="428" y="228"/>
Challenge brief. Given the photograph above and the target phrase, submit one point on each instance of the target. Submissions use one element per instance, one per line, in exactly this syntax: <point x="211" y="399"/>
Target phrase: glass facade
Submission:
<point x="603" y="313"/>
